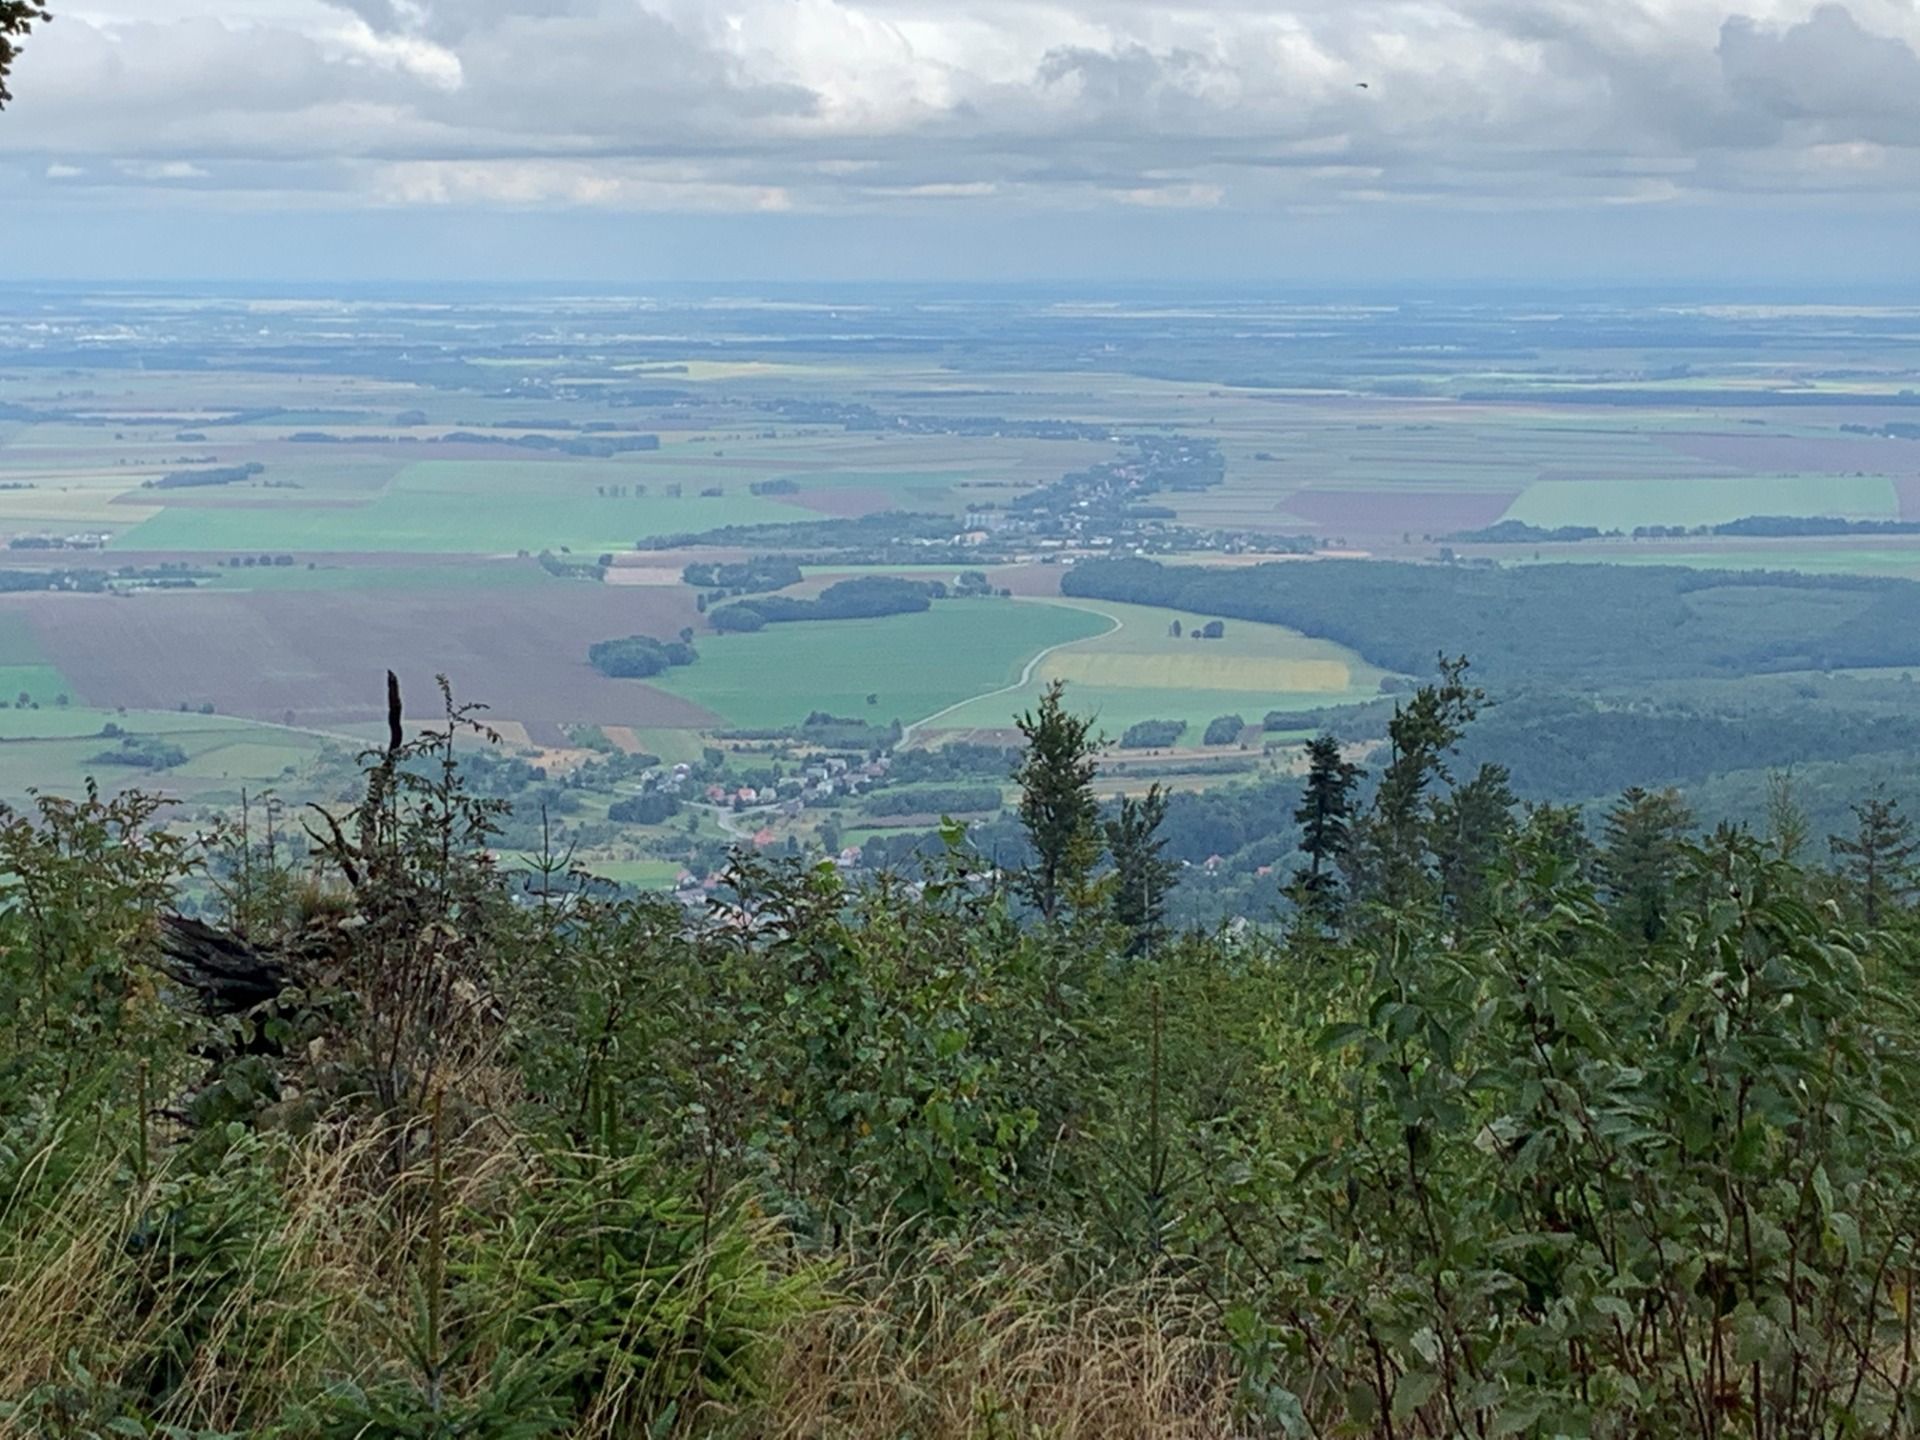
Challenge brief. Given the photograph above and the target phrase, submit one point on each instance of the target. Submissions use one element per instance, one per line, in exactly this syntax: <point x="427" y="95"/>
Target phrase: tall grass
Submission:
<point x="239" y="1288"/>
<point x="945" y="1347"/>
<point x="302" y="1271"/>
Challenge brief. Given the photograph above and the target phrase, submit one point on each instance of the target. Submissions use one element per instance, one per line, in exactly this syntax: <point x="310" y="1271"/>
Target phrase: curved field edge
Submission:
<point x="1136" y="669"/>
<point x="898" y="667"/>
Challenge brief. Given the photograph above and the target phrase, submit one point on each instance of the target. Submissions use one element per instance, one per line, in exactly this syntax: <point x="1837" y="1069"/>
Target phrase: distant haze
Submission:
<point x="1568" y="141"/>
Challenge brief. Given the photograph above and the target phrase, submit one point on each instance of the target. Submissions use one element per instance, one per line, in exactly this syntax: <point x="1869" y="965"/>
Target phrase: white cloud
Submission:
<point x="1174" y="197"/>
<point x="837" y="104"/>
<point x="160" y="170"/>
<point x="622" y="185"/>
<point x="428" y="62"/>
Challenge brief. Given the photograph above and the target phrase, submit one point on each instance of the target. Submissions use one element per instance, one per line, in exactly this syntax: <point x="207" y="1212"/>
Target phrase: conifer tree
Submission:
<point x="1557" y="835"/>
<point x="1057" y="807"/>
<point x="1325" y="817"/>
<point x="1142" y="875"/>
<point x="1470" y="830"/>
<point x="1640" y="858"/>
<point x="1878" y="858"/>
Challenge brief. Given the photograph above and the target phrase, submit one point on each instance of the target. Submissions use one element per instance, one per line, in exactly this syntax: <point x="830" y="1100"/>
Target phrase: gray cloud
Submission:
<point x="850" y="104"/>
<point x="1829" y="72"/>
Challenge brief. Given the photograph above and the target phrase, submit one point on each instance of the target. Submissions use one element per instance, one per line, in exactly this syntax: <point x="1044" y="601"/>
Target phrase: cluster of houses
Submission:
<point x="819" y="784"/>
<point x="80" y="540"/>
<point x="677" y="782"/>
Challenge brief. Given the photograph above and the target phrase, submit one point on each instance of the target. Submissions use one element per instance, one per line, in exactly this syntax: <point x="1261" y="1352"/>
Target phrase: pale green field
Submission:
<point x="674" y="747"/>
<point x="641" y="874"/>
<point x="1624" y="504"/>
<point x="79" y="721"/>
<point x="1133" y="670"/>
<point x="55" y="751"/>
<point x="241" y="759"/>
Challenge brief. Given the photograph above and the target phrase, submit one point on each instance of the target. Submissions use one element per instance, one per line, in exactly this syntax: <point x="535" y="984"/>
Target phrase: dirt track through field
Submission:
<point x="1026" y="675"/>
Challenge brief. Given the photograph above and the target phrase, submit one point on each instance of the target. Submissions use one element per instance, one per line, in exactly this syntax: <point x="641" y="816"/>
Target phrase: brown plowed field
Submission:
<point x="319" y="655"/>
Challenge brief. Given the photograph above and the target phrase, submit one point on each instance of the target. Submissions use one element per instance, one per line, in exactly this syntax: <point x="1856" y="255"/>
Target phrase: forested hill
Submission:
<point x="1599" y="624"/>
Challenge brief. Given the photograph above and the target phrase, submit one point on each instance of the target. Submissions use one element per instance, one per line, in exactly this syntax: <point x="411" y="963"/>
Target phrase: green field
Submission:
<point x="26" y="670"/>
<point x="916" y="665"/>
<point x="480" y="507"/>
<point x="56" y="751"/>
<point x="641" y="874"/>
<point x="1624" y="504"/>
<point x="1132" y="669"/>
<point x="1812" y="557"/>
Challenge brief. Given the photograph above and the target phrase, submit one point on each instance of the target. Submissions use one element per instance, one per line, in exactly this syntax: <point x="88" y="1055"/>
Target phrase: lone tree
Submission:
<point x="1325" y="818"/>
<point x="16" y="19"/>
<point x="1878" y="858"/>
<point x="1056" y="801"/>
<point x="1142" y="876"/>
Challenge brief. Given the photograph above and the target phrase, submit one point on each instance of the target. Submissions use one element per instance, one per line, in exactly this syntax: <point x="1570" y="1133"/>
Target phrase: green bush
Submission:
<point x="1153" y="734"/>
<point x="1226" y="730"/>
<point x="636" y="1301"/>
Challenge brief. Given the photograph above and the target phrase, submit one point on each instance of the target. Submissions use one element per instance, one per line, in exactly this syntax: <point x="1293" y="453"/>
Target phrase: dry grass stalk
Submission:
<point x="939" y="1356"/>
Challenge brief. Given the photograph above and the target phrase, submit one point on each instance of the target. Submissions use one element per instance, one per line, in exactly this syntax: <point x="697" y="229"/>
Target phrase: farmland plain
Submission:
<point x="402" y="467"/>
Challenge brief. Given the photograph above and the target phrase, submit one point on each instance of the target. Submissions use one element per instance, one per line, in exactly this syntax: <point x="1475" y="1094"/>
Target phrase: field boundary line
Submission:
<point x="908" y="733"/>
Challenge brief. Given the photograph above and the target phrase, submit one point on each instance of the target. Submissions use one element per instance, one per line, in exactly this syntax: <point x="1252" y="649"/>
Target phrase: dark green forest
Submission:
<point x="1597" y="624"/>
<point x="1510" y="1125"/>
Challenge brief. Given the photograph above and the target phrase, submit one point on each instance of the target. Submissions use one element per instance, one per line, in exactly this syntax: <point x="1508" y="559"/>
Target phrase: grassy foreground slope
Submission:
<point x="396" y="1146"/>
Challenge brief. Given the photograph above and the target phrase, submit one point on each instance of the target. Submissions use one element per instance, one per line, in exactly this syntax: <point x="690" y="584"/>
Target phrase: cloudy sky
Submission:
<point x="1599" y="141"/>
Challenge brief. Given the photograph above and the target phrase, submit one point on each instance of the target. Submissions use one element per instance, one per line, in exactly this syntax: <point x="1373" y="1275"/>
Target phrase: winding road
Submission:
<point x="1026" y="675"/>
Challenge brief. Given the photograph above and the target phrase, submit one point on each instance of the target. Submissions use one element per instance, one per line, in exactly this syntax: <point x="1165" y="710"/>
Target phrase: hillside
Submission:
<point x="1506" y="1129"/>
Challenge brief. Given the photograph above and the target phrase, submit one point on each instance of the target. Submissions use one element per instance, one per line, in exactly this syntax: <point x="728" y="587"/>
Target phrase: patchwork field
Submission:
<point x="458" y="435"/>
<point x="466" y="506"/>
<point x="1383" y="471"/>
